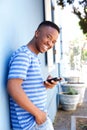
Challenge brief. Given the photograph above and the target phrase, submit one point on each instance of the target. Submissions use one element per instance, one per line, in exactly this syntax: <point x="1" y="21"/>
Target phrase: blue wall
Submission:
<point x="18" y="21"/>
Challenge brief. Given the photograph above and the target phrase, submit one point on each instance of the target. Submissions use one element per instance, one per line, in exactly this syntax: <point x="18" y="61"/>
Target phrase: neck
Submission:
<point x="32" y="47"/>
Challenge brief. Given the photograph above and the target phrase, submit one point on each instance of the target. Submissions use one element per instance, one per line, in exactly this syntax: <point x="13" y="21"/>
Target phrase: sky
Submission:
<point x="70" y="25"/>
<point x="70" y="31"/>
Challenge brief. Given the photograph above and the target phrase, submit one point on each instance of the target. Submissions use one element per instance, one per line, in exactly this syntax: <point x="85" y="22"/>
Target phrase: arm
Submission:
<point x="18" y="94"/>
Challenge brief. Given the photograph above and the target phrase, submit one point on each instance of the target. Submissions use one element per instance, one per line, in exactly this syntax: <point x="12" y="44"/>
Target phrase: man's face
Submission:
<point x="46" y="38"/>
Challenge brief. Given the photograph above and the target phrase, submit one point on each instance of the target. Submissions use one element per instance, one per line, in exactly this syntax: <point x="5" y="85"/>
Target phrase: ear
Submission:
<point x="36" y="33"/>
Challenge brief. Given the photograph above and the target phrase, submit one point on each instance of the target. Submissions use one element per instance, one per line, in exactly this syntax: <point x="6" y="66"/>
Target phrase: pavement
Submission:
<point x="63" y="118"/>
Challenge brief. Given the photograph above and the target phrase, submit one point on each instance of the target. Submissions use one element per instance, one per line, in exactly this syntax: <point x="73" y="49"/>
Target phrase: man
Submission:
<point x="25" y="85"/>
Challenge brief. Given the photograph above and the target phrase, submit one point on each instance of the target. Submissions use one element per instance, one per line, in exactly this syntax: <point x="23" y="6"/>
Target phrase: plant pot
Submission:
<point x="68" y="102"/>
<point x="72" y="79"/>
<point x="80" y="87"/>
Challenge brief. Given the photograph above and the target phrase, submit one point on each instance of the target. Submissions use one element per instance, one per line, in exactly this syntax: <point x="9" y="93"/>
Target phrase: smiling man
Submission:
<point x="25" y="85"/>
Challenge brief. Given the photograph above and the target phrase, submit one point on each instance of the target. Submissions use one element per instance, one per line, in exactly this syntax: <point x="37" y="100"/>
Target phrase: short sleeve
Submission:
<point x="19" y="66"/>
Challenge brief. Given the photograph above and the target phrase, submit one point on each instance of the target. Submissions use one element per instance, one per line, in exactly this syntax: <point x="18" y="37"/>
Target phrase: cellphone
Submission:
<point x="55" y="79"/>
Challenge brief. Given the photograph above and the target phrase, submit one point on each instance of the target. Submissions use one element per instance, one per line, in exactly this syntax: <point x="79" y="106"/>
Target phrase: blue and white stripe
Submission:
<point x="25" y="65"/>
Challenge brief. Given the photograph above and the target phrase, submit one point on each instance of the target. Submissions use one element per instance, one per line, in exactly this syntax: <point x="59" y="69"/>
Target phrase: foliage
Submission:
<point x="72" y="65"/>
<point x="81" y="14"/>
<point x="63" y="3"/>
<point x="77" y="53"/>
<point x="76" y="50"/>
<point x="84" y="55"/>
<point x="72" y="91"/>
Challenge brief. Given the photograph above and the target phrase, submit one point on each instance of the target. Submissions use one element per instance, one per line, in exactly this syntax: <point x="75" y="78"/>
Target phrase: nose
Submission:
<point x="50" y="44"/>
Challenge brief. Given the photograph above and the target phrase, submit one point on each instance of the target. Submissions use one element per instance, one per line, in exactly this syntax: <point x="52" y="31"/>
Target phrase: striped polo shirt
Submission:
<point x="25" y="65"/>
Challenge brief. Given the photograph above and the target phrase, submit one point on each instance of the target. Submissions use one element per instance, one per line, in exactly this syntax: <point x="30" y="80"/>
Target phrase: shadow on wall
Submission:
<point x="6" y="68"/>
<point x="5" y="78"/>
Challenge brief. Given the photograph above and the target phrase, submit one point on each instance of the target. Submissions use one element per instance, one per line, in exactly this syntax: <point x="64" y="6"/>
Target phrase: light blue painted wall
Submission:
<point x="18" y="21"/>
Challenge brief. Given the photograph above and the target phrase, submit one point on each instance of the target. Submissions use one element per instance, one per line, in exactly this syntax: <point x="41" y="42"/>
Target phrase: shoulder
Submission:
<point x="21" y="56"/>
<point x="21" y="53"/>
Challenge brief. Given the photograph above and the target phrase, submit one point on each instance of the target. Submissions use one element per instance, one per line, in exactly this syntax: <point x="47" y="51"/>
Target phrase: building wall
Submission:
<point x="18" y="21"/>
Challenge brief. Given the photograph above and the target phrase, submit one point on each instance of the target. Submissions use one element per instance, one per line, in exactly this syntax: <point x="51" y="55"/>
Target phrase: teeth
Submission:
<point x="46" y="47"/>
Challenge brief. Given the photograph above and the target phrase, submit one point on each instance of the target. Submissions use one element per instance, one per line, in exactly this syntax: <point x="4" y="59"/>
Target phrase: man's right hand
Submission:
<point x="41" y="117"/>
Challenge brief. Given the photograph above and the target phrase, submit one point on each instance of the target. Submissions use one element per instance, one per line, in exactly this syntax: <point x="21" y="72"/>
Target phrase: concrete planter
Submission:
<point x="79" y="86"/>
<point x="68" y="102"/>
<point x="73" y="122"/>
<point x="72" y="79"/>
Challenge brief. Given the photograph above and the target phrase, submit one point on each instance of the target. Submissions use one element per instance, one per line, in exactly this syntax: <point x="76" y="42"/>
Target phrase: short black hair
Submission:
<point x="49" y="23"/>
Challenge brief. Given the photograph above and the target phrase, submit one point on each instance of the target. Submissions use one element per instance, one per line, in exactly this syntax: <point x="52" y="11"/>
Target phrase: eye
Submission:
<point x="49" y="37"/>
<point x="53" y="42"/>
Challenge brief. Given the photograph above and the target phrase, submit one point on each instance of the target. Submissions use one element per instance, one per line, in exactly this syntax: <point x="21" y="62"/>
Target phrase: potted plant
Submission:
<point x="80" y="87"/>
<point x="69" y="100"/>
